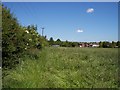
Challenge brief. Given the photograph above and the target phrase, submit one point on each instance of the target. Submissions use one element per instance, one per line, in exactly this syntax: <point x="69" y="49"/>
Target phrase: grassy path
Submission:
<point x="67" y="68"/>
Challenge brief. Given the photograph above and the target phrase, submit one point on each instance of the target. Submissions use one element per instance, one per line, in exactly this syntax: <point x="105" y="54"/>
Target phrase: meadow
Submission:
<point x="63" y="67"/>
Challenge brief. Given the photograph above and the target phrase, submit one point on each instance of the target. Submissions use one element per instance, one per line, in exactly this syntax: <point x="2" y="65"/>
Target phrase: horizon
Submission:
<point x="71" y="21"/>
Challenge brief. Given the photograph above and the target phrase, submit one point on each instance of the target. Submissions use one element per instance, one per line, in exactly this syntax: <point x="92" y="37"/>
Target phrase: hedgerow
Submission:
<point x="17" y="40"/>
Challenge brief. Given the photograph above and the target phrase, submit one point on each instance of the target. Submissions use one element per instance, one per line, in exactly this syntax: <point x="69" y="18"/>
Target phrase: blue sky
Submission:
<point x="72" y="21"/>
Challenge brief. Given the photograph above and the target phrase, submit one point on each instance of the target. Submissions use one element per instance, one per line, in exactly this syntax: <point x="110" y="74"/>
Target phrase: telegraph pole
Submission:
<point x="42" y="30"/>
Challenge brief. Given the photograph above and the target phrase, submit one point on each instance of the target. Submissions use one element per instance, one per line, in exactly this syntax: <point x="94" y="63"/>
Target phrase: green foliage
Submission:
<point x="51" y="41"/>
<point x="113" y="44"/>
<point x="63" y="43"/>
<point x="108" y="44"/>
<point x="18" y="40"/>
<point x="9" y="40"/>
<point x="118" y="44"/>
<point x="67" y="68"/>
<point x="101" y="44"/>
<point x="58" y="42"/>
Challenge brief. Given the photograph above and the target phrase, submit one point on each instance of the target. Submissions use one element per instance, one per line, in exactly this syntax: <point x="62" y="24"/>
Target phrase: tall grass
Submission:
<point x="67" y="68"/>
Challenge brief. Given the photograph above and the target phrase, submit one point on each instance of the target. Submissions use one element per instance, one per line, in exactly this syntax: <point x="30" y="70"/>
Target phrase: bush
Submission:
<point x="18" y="41"/>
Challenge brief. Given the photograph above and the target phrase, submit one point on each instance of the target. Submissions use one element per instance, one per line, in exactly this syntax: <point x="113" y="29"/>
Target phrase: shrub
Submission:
<point x="18" y="41"/>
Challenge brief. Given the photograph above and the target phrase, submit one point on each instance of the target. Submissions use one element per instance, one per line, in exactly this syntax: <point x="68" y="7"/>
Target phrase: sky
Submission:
<point x="60" y="0"/>
<point x="72" y="21"/>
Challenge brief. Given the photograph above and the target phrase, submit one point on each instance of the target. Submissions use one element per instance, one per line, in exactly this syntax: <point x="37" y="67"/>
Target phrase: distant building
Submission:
<point x="81" y="45"/>
<point x="88" y="45"/>
<point x="116" y="47"/>
<point x="95" y="45"/>
<point x="55" y="45"/>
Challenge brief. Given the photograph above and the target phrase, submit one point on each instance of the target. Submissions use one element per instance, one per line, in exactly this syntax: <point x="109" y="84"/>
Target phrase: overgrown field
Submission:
<point x="59" y="67"/>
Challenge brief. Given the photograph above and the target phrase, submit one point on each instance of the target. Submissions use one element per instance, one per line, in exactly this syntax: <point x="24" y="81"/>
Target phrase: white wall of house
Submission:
<point x="95" y="45"/>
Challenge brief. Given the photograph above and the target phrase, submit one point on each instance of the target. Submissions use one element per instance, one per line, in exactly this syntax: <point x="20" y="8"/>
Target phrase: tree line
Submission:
<point x="112" y="44"/>
<point x="62" y="43"/>
<point x="104" y="44"/>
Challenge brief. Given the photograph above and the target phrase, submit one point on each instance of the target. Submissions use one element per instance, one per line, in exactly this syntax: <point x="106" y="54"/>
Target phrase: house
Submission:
<point x="81" y="45"/>
<point x="95" y="45"/>
<point x="89" y="45"/>
<point x="86" y="44"/>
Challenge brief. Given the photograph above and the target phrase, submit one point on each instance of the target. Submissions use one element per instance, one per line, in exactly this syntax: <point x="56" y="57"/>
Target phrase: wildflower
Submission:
<point x="30" y="39"/>
<point x="26" y="31"/>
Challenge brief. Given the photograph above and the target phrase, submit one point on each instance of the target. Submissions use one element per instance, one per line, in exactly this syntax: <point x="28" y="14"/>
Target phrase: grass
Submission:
<point x="67" y="68"/>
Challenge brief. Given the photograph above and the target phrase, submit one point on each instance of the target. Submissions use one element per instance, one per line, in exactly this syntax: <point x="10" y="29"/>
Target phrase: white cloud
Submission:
<point x="90" y="10"/>
<point x="79" y="30"/>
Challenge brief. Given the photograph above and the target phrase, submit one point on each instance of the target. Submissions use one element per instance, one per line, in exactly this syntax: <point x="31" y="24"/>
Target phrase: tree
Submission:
<point x="66" y="43"/>
<point x="100" y="44"/>
<point x="51" y="41"/>
<point x="58" y="42"/>
<point x="45" y="37"/>
<point x="118" y="44"/>
<point x="106" y="44"/>
<point x="113" y="44"/>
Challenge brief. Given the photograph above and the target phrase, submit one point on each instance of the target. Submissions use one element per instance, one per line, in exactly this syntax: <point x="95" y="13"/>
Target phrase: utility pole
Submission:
<point x="42" y="30"/>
